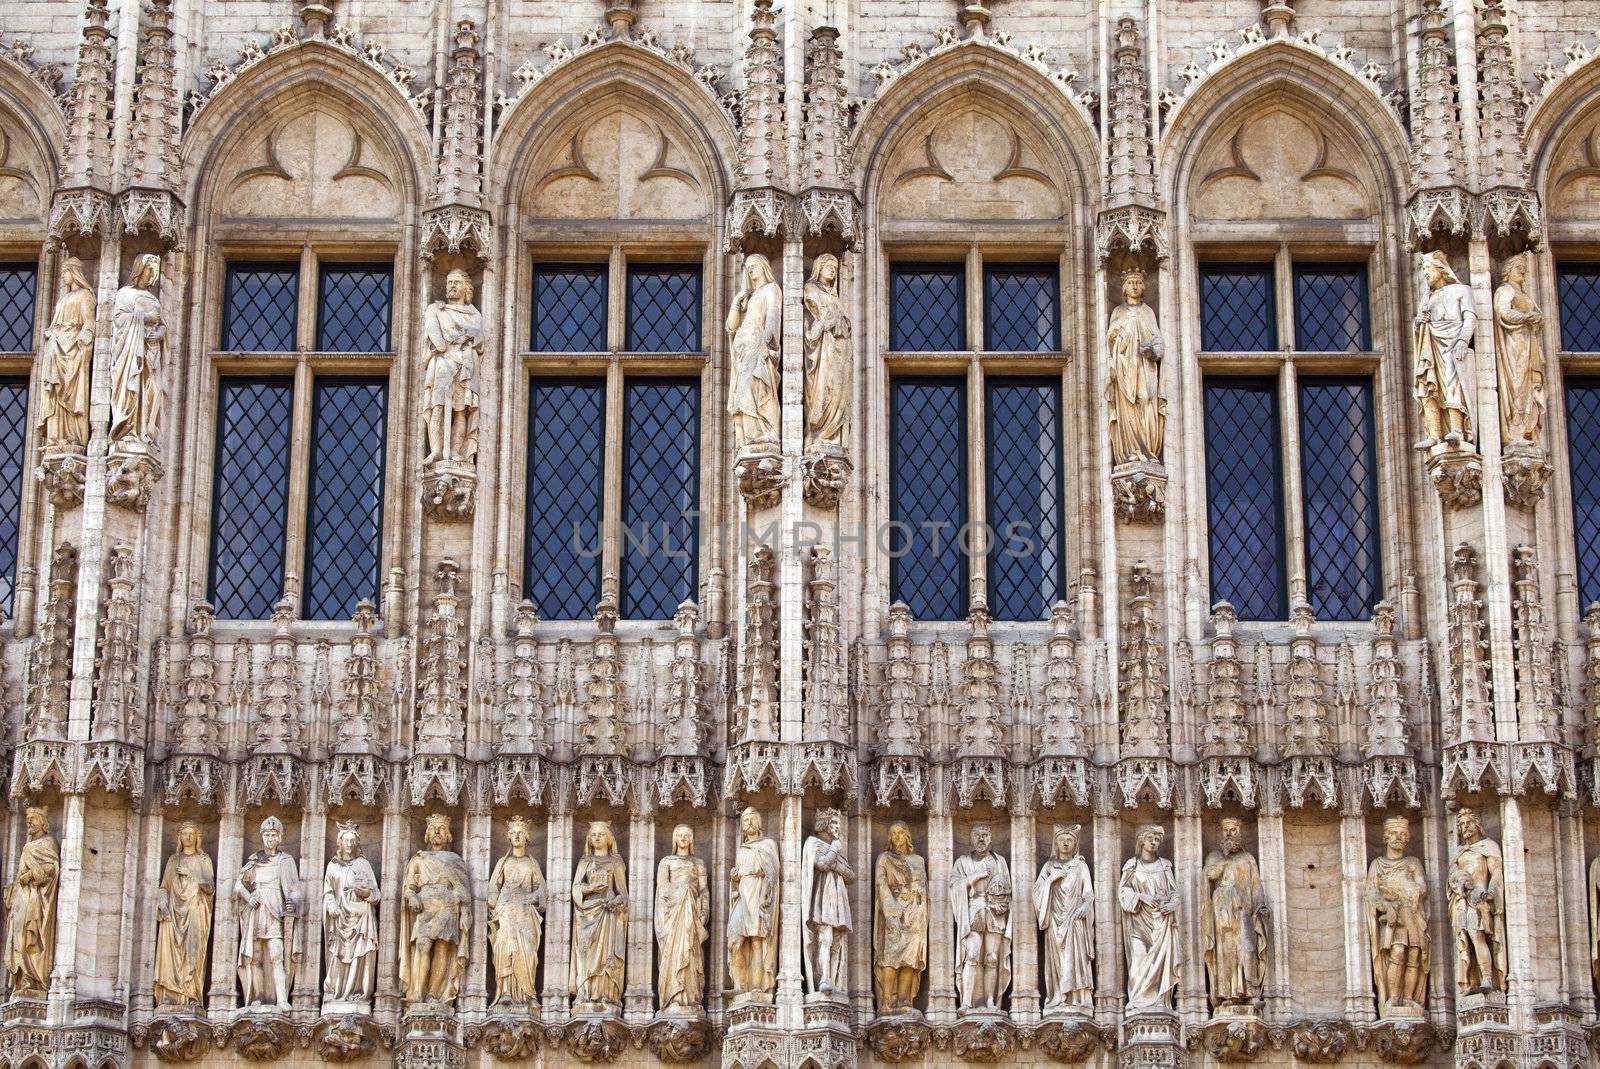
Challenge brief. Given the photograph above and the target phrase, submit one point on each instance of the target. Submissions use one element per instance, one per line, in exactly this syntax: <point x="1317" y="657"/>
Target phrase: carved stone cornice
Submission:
<point x="1435" y="215"/>
<point x="1132" y="228"/>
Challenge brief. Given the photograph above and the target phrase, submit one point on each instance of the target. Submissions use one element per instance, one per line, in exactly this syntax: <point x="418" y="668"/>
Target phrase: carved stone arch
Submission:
<point x="31" y="127"/>
<point x="1563" y="142"/>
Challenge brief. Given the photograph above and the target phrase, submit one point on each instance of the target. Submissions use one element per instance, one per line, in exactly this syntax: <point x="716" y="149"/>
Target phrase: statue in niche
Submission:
<point x="755" y="344"/>
<point x="1063" y="900"/>
<point x="1477" y="908"/>
<point x="349" y="925"/>
<point x="1397" y="924"/>
<point x="825" y="921"/>
<point x="753" y="912"/>
<point x="980" y="902"/>
<point x="599" y="923"/>
<point x="1520" y="354"/>
<point x="30" y="903"/>
<point x="1234" y="924"/>
<point x="516" y="919"/>
<point x="1136" y="410"/>
<point x="453" y="333"/>
<point x="1148" y="897"/>
<point x="183" y="922"/>
<point x="899" y="923"/>
<point x="828" y="358"/>
<point x="1441" y="336"/>
<point x="138" y="354"/>
<point x="64" y="363"/>
<point x="268" y="895"/>
<point x="682" y="917"/>
<point x="436" y="918"/>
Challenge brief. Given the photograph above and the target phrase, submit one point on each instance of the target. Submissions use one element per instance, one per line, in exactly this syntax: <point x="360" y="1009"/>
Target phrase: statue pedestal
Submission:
<point x="596" y="1033"/>
<point x="1069" y="1034"/>
<point x="1139" y="491"/>
<point x="346" y="1032"/>
<point x="1484" y="1035"/>
<point x="983" y="1036"/>
<point x="63" y="473"/>
<point x="1151" y="1038"/>
<point x="449" y="489"/>
<point x="1235" y="1034"/>
<point x="428" y="1038"/>
<point x="1457" y="474"/>
<point x="679" y="1037"/>
<point x="898" y="1037"/>
<point x="132" y="472"/>
<point x="827" y="473"/>
<point x="759" y="469"/>
<point x="1524" y="469"/>
<point x="261" y="1033"/>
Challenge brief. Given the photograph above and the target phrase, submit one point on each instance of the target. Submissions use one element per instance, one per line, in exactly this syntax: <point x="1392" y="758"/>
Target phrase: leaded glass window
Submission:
<point x="13" y="478"/>
<point x="566" y="496"/>
<point x="1338" y="469"/>
<point x="927" y="308"/>
<point x="353" y="308"/>
<point x="660" y="496"/>
<point x="1580" y="307"/>
<point x="1020" y="310"/>
<point x="1237" y="310"/>
<point x="569" y="308"/>
<point x="260" y="308"/>
<point x="1244" y="493"/>
<point x="663" y="309"/>
<point x="1583" y="443"/>
<point x="928" y="497"/>
<point x="345" y="524"/>
<point x="18" y="283"/>
<point x="1024" y="497"/>
<point x="1330" y="308"/>
<point x="250" y="496"/>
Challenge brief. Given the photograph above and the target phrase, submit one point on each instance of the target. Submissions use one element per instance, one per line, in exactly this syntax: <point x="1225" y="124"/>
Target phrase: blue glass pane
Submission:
<point x="353" y="306"/>
<point x="928" y="497"/>
<point x="927" y="308"/>
<point x="663" y="309"/>
<point x="13" y="477"/>
<point x="1237" y="310"/>
<point x="569" y="309"/>
<point x="1019" y="314"/>
<point x="250" y="497"/>
<point x="1580" y="308"/>
<point x="17" y="286"/>
<point x="261" y="308"/>
<point x="1024" y="471"/>
<point x="1339" y="473"/>
<point x="1583" y="438"/>
<point x="566" y="494"/>
<point x="1244" y="495"/>
<point x="1330" y="309"/>
<point x="346" y="518"/>
<point x="660" y="497"/>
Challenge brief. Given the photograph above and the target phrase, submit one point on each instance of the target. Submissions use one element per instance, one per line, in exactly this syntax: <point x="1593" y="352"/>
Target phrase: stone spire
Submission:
<point x="603" y="722"/>
<point x="363" y="699"/>
<point x="116" y="691"/>
<point x="682" y="734"/>
<point x="1306" y="728"/>
<point x="1130" y="164"/>
<point x="756" y="718"/>
<point x="900" y="728"/>
<point x="1467" y="716"/>
<point x="827" y="703"/>
<point x="442" y="682"/>
<point x="1438" y="202"/>
<point x="50" y="665"/>
<point x="981" y="731"/>
<point x="826" y="199"/>
<point x="1225" y="723"/>
<point x="1501" y="101"/>
<point x="759" y="203"/>
<point x="81" y="204"/>
<point x="198" y="709"/>
<point x="1142" y="688"/>
<point x="150" y="200"/>
<point x="1538" y="705"/>
<point x="1062" y="711"/>
<point x="1388" y="731"/>
<point x="275" y="720"/>
<point x="456" y="220"/>
<point x="522" y="708"/>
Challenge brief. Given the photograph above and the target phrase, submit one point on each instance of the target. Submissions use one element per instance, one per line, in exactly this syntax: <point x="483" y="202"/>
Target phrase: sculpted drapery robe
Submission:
<point x="828" y="366"/>
<point x="350" y="930"/>
<point x="1063" y="900"/>
<point x="1233" y="927"/>
<point x="1397" y="918"/>
<point x="454" y="337"/>
<point x="1469" y="871"/>
<point x="753" y="914"/>
<point x="1152" y="936"/>
<point x="1138" y="415"/>
<point x="440" y="880"/>
<point x="683" y="906"/>
<point x="756" y="340"/>
<point x="516" y="927"/>
<point x="274" y="881"/>
<point x="970" y="878"/>
<point x="31" y="915"/>
<point x="1521" y="363"/>
<point x="64" y="362"/>
<point x="1439" y="383"/>
<point x="900" y="923"/>
<point x="824" y="903"/>
<point x="136" y="360"/>
<point x="600" y="929"/>
<point x="183" y="933"/>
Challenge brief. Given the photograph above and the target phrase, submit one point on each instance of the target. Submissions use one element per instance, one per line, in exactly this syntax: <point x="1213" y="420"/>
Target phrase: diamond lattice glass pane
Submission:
<point x="1237" y="312"/>
<point x="569" y="309"/>
<point x="660" y="497"/>
<point x="927" y="308"/>
<point x="1244" y="495"/>
<point x="1024" y="472"/>
<point x="17" y="286"/>
<point x="928" y="497"/>
<point x="1580" y="308"/>
<point x="1019" y="314"/>
<point x="250" y="497"/>
<point x="1330" y="309"/>
<point x="13" y="478"/>
<point x="1583" y="439"/>
<point x="346" y="512"/>
<point x="663" y="310"/>
<point x="261" y="308"/>
<point x="353" y="307"/>
<point x="566" y="493"/>
<point x="1339" y="480"/>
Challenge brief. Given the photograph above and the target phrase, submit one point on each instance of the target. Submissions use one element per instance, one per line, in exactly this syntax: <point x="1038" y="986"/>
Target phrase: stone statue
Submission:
<point x="1594" y="919"/>
<point x="899" y="923"/>
<point x="436" y="918"/>
<point x="30" y="903"/>
<point x="268" y="895"/>
<point x="138" y="353"/>
<point x="183" y="922"/>
<point x="64" y="363"/>
<point x="516" y="919"/>
<point x="682" y="916"/>
<point x="453" y="333"/>
<point x="980" y="903"/>
<point x="1234" y="924"/>
<point x="1477" y="909"/>
<point x="753" y="912"/>
<point x="1148" y="897"/>
<point x="1063" y="900"/>
<point x="825" y="921"/>
<point x="1136" y="411"/>
<point x="1441" y="336"/>
<point x="755" y="342"/>
<point x="599" y="923"/>
<point x="349" y="926"/>
<point x="828" y="358"/>
<point x="1517" y="322"/>
<point x="1397" y="924"/>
